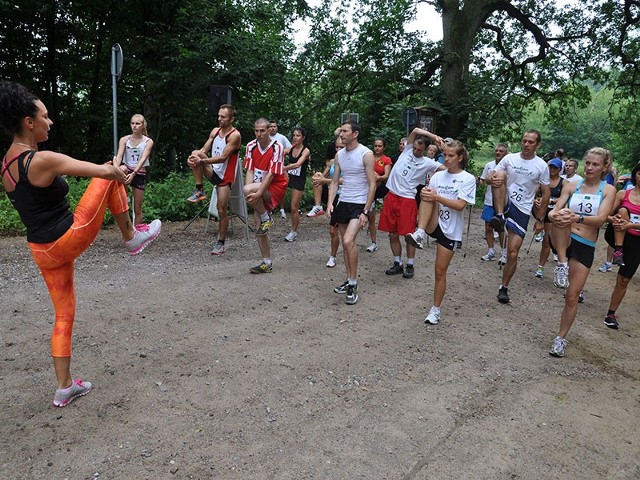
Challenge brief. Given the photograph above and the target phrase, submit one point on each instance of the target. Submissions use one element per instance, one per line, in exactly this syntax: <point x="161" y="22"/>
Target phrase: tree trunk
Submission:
<point x="460" y="27"/>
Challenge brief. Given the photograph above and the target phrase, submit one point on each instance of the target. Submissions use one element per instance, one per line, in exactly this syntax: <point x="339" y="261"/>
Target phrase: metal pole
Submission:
<point x="115" y="100"/>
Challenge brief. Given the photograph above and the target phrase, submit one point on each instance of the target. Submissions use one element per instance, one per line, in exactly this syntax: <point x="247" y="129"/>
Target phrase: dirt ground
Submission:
<point x="204" y="371"/>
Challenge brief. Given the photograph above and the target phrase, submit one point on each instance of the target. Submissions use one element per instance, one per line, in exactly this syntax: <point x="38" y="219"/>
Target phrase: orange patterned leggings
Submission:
<point x="56" y="259"/>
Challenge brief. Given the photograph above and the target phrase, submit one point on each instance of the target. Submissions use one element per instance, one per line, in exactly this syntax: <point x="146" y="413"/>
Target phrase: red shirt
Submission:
<point x="262" y="162"/>
<point x="379" y="164"/>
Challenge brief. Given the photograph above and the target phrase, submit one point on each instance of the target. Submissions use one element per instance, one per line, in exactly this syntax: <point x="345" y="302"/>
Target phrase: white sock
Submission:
<point x="410" y="261"/>
<point x="264" y="217"/>
<point x="398" y="260"/>
<point x="267" y="261"/>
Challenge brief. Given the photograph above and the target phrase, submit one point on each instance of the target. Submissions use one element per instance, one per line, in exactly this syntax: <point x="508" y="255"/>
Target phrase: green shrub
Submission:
<point x="164" y="199"/>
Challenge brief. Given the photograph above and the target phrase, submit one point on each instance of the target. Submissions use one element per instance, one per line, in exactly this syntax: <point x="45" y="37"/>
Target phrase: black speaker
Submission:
<point x="217" y="95"/>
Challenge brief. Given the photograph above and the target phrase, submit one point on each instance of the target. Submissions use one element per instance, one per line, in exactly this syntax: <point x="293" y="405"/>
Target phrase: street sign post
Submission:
<point x="116" y="72"/>
<point x="409" y="118"/>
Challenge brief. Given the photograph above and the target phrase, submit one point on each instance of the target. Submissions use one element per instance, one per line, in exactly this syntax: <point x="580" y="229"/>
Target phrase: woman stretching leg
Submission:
<point x="33" y="181"/>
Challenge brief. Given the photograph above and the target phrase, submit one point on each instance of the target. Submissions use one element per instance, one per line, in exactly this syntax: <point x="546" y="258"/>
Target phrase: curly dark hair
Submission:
<point x="16" y="103"/>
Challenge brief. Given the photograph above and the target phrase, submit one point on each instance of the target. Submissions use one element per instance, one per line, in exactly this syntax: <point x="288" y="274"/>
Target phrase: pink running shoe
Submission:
<point x="65" y="396"/>
<point x="143" y="235"/>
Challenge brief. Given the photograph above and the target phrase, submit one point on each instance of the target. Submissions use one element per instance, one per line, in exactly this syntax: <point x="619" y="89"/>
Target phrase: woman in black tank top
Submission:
<point x="555" y="185"/>
<point x="298" y="155"/>
<point x="56" y="236"/>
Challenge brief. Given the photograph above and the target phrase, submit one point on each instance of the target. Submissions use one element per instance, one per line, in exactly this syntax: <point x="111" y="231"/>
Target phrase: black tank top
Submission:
<point x="43" y="210"/>
<point x="556" y="191"/>
<point x="302" y="168"/>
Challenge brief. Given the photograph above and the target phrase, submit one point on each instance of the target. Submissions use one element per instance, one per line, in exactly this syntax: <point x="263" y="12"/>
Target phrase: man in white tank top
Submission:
<point x="354" y="163"/>
<point x="219" y="168"/>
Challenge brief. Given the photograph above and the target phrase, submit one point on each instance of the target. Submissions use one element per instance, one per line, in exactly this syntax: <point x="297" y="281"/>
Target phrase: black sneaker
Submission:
<point x="497" y="223"/>
<point x="395" y="269"/>
<point x="408" y="272"/>
<point x="611" y="321"/>
<point x="503" y="295"/>
<point x="352" y="295"/>
<point x="342" y="288"/>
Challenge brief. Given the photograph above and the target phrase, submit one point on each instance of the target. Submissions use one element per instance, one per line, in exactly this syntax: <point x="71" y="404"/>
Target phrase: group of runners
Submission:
<point x="422" y="198"/>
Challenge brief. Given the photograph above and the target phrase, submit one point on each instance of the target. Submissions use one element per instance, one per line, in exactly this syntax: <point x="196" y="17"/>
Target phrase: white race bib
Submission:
<point x="585" y="203"/>
<point x="258" y="176"/>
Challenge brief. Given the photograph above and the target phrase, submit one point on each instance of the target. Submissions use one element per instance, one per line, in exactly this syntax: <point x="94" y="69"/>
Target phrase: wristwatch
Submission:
<point x="201" y="162"/>
<point x="581" y="219"/>
<point x="365" y="212"/>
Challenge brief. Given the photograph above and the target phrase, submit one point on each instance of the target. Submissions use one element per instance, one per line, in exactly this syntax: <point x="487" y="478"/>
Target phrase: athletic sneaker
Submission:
<point x="65" y="396"/>
<point x="395" y="269"/>
<point x="611" y="321"/>
<point x="342" y="288"/>
<point x="197" y="196"/>
<point x="143" y="235"/>
<point x="218" y="248"/>
<point x="283" y="215"/>
<point x="503" y="259"/>
<point x="503" y="295"/>
<point x="315" y="211"/>
<point x="291" y="236"/>
<point x="555" y="258"/>
<point x="488" y="257"/>
<point x="617" y="258"/>
<point x="605" y="267"/>
<point x="557" y="349"/>
<point x="497" y="222"/>
<point x="538" y="237"/>
<point x="262" y="268"/>
<point x="433" y="317"/>
<point x="373" y="247"/>
<point x="561" y="276"/>
<point x="496" y="235"/>
<point x="414" y="239"/>
<point x="331" y="262"/>
<point x="352" y="295"/>
<point x="539" y="271"/>
<point x="264" y="227"/>
<point x="408" y="272"/>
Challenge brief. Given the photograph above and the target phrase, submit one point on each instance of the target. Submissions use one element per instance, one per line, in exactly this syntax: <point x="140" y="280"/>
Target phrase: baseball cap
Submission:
<point x="555" y="162"/>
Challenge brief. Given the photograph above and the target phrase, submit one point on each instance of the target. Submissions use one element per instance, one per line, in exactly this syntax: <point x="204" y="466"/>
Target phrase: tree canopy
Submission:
<point x="497" y="60"/>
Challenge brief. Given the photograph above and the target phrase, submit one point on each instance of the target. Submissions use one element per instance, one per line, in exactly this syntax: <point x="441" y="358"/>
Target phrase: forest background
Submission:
<point x="569" y="69"/>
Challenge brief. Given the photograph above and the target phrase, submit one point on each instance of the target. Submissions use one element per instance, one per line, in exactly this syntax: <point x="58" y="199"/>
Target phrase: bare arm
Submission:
<point x="425" y="133"/>
<point x="46" y="165"/>
<point x="333" y="187"/>
<point x="303" y="158"/>
<point x="117" y="160"/>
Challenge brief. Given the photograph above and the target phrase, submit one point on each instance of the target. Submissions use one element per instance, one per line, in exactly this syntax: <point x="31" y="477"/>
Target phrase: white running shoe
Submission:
<point x="143" y="235"/>
<point x="315" y="211"/>
<point x="291" y="236"/>
<point x="373" y="247"/>
<point x="605" y="267"/>
<point x="331" y="262"/>
<point x="496" y="235"/>
<point x="561" y="279"/>
<point x="283" y="215"/>
<point x="503" y="258"/>
<point x="415" y="240"/>
<point x="433" y="317"/>
<point x="488" y="257"/>
<point x="539" y="273"/>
